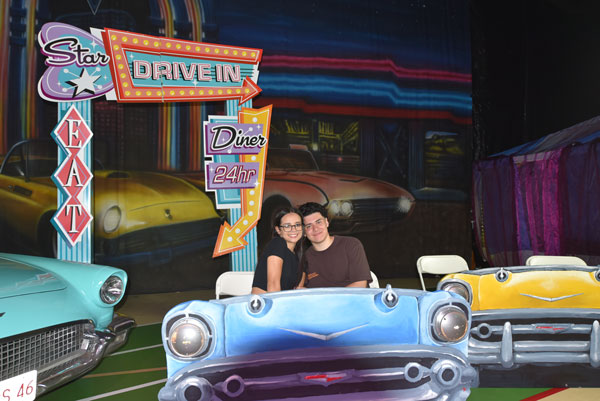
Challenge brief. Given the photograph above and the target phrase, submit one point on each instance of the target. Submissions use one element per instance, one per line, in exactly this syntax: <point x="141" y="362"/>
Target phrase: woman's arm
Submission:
<point x="274" y="268"/>
<point x="302" y="281"/>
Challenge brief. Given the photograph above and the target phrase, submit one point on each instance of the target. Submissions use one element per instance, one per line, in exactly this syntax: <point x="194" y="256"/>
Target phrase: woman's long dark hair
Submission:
<point x="299" y="248"/>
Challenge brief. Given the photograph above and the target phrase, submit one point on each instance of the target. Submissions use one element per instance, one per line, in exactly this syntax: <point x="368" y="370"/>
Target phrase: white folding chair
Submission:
<point x="375" y="282"/>
<point x="234" y="284"/>
<point x="440" y="264"/>
<point x="541" y="260"/>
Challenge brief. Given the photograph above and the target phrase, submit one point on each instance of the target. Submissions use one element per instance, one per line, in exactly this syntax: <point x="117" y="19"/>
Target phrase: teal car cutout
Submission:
<point x="57" y="321"/>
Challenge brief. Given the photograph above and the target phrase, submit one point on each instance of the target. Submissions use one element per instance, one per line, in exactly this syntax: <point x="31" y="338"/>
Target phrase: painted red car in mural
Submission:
<point x="354" y="203"/>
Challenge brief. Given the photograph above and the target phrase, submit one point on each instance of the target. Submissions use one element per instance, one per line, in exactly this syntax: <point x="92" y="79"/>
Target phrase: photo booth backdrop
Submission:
<point x="378" y="89"/>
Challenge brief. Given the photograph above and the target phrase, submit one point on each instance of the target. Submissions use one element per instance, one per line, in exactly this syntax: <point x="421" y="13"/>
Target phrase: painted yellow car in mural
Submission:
<point x="543" y="315"/>
<point x="139" y="217"/>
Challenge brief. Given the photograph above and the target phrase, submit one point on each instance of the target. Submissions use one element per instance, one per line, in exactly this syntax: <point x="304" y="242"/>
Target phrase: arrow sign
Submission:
<point x="231" y="238"/>
<point x="157" y="69"/>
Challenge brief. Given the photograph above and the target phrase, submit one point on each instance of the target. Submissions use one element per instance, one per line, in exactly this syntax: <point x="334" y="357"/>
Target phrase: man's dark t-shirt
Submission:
<point x="289" y="271"/>
<point x="343" y="263"/>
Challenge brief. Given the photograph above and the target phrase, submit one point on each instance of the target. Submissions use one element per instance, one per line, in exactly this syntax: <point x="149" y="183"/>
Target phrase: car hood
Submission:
<point x="291" y="322"/>
<point x="145" y="187"/>
<point x="533" y="287"/>
<point x="22" y="279"/>
<point x="341" y="186"/>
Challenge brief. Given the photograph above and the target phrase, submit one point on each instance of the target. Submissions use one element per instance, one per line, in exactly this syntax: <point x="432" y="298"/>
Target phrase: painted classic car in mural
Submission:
<point x="395" y="344"/>
<point x="354" y="203"/>
<point x="56" y="321"/>
<point x="140" y="217"/>
<point x="531" y="314"/>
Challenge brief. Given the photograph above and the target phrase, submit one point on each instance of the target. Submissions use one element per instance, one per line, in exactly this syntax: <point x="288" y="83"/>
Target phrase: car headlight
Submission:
<point x="450" y="323"/>
<point x="597" y="275"/>
<point x="342" y="208"/>
<point x="189" y="337"/>
<point x="112" y="290"/>
<point x="458" y="287"/>
<point x="334" y="208"/>
<point x="404" y="205"/>
<point x="112" y="219"/>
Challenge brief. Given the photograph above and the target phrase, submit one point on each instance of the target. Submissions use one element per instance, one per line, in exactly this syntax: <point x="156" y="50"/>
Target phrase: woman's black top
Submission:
<point x="289" y="271"/>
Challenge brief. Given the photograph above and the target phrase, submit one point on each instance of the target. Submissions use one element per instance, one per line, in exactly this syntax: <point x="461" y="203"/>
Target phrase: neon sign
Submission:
<point x="156" y="69"/>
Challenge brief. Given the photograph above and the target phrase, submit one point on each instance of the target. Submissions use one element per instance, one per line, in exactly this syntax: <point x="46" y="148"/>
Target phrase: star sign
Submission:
<point x="85" y="83"/>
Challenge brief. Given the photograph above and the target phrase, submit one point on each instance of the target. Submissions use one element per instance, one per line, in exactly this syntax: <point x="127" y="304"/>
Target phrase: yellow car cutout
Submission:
<point x="544" y="315"/>
<point x="139" y="217"/>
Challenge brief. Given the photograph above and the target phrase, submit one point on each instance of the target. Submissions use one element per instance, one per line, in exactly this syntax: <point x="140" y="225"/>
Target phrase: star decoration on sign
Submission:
<point x="85" y="83"/>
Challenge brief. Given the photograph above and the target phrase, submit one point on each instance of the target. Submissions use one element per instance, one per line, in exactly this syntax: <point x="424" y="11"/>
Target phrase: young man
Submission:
<point x="331" y="261"/>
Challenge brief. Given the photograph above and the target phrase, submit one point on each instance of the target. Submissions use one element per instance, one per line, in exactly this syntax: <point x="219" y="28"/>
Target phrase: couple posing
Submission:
<point x="331" y="261"/>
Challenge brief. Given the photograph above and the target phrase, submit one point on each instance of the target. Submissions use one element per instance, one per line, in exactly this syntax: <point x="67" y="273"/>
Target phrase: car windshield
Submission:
<point x="33" y="159"/>
<point x="290" y="159"/>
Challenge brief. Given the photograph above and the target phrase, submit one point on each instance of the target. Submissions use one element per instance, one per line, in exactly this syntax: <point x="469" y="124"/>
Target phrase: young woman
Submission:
<point x="277" y="267"/>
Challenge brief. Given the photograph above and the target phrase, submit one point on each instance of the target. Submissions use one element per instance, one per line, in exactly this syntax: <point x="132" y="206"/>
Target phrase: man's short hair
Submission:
<point x="312" y="207"/>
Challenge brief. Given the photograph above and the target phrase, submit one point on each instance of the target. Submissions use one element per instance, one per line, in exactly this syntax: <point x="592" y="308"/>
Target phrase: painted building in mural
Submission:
<point x="378" y="92"/>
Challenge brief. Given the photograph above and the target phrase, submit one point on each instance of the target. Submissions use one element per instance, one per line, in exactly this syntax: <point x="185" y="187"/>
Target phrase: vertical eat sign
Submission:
<point x="72" y="135"/>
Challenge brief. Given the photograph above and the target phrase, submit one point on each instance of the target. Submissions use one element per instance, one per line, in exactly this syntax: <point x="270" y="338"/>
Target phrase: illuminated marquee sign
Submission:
<point x="156" y="69"/>
<point x="235" y="159"/>
<point x="73" y="176"/>
<point x="137" y="68"/>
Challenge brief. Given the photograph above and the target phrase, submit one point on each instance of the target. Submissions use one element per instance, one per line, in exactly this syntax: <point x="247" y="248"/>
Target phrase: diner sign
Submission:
<point x="157" y="69"/>
<point x="235" y="159"/>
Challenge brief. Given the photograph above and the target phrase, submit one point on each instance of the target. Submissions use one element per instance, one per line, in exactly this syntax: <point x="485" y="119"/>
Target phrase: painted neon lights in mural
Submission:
<point x="235" y="159"/>
<point x="77" y="64"/>
<point x="72" y="135"/>
<point x="156" y="69"/>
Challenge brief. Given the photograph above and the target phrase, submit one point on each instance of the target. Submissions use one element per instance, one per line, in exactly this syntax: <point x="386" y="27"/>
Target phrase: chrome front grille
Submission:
<point x="354" y="373"/>
<point x="42" y="349"/>
<point x="547" y="340"/>
<point x="378" y="210"/>
<point x="368" y="214"/>
<point x="154" y="238"/>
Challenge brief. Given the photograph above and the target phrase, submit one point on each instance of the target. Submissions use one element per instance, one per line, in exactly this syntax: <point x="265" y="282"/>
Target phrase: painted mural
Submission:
<point x="371" y="107"/>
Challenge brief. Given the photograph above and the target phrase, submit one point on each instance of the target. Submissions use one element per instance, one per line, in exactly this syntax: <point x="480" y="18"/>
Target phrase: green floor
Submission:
<point x="140" y="373"/>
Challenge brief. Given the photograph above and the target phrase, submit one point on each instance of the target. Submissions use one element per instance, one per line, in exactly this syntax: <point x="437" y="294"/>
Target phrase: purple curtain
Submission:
<point x="580" y="201"/>
<point x="545" y="203"/>
<point x="538" y="217"/>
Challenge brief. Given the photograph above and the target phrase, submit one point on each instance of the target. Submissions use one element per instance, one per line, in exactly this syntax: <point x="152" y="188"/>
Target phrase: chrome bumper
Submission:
<point x="94" y="346"/>
<point x="344" y="373"/>
<point x="545" y="338"/>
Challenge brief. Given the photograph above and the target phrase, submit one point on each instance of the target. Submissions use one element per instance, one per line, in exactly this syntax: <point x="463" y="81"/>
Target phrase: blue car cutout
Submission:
<point x="57" y="321"/>
<point x="326" y="343"/>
